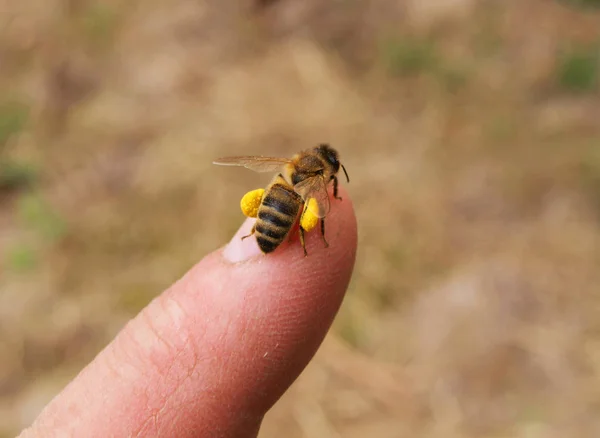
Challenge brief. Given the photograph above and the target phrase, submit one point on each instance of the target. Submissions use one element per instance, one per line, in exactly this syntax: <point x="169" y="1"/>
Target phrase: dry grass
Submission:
<point x="470" y="131"/>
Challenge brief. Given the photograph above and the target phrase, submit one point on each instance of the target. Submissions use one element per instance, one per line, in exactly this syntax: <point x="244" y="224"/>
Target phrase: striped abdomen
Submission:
<point x="276" y="215"/>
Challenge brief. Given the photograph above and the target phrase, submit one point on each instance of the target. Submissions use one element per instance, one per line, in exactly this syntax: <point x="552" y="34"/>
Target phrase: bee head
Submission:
<point x="332" y="157"/>
<point x="330" y="154"/>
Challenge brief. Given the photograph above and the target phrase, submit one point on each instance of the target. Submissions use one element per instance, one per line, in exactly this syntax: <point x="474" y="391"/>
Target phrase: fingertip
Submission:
<point x="242" y="248"/>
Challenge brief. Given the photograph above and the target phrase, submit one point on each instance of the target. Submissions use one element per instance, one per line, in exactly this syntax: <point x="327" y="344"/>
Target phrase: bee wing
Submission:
<point x="257" y="164"/>
<point x="314" y="187"/>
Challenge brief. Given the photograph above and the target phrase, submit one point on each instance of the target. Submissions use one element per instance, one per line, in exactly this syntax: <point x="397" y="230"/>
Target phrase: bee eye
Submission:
<point x="329" y="154"/>
<point x="332" y="158"/>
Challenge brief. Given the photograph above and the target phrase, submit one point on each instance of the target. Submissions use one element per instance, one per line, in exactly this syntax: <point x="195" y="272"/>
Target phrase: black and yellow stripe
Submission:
<point x="276" y="215"/>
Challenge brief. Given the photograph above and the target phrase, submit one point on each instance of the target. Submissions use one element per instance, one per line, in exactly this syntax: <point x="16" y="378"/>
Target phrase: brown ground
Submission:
<point x="471" y="131"/>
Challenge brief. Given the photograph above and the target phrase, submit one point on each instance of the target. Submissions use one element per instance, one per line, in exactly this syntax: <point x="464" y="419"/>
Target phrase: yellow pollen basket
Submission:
<point x="308" y="220"/>
<point x="251" y="201"/>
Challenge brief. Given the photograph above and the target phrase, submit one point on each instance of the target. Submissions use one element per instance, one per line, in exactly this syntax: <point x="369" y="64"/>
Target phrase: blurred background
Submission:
<point x="471" y="133"/>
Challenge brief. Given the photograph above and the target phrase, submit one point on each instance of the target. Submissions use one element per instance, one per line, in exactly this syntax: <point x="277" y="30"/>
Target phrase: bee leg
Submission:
<point x="301" y="232"/>
<point x="251" y="232"/>
<point x="335" y="188"/>
<point x="323" y="233"/>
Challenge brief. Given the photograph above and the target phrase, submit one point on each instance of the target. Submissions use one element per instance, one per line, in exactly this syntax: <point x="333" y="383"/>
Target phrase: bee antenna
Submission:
<point x="346" y="173"/>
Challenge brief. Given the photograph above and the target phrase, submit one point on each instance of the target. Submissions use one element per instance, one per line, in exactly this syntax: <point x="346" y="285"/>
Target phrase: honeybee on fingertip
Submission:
<point x="300" y="186"/>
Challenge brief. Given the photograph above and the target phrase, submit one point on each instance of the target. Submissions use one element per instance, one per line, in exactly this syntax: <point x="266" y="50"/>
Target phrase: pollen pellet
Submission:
<point x="308" y="220"/>
<point x="251" y="201"/>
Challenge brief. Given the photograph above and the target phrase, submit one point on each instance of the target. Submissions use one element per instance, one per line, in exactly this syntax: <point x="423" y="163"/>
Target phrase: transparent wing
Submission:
<point x="257" y="164"/>
<point x="314" y="187"/>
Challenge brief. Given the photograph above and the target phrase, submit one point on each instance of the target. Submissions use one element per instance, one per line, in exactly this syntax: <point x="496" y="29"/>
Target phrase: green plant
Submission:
<point x="36" y="213"/>
<point x="21" y="258"/>
<point x="578" y="69"/>
<point x="13" y="118"/>
<point x="15" y="175"/>
<point x="99" y="23"/>
<point x="409" y="56"/>
<point x="584" y="3"/>
<point x="453" y="78"/>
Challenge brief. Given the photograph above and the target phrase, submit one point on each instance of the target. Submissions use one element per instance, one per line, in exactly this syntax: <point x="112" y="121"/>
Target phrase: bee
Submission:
<point x="302" y="178"/>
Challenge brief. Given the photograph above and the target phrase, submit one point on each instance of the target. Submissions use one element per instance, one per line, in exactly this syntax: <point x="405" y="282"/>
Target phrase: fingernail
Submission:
<point x="238" y="250"/>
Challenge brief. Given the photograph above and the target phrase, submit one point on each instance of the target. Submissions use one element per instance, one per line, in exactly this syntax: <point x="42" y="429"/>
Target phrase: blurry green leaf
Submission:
<point x="14" y="175"/>
<point x="453" y="78"/>
<point x="38" y="214"/>
<point x="578" y="69"/>
<point x="409" y="57"/>
<point x="21" y="258"/>
<point x="99" y="23"/>
<point x="13" y="118"/>
<point x="583" y="3"/>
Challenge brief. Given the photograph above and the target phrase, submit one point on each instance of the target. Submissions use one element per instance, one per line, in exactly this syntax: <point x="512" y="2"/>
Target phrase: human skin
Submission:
<point x="213" y="353"/>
